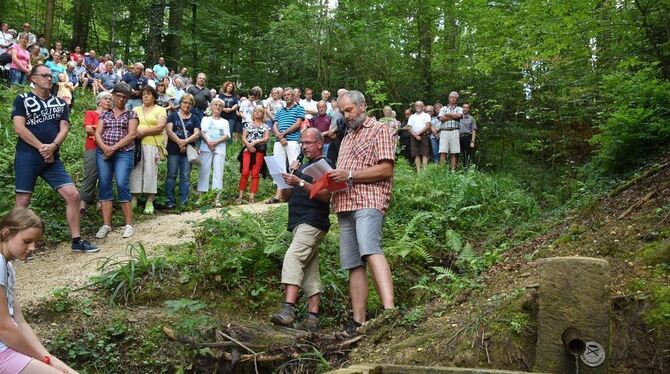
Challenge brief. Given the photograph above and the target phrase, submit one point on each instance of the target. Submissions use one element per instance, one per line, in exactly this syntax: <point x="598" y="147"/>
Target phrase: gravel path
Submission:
<point x="59" y="267"/>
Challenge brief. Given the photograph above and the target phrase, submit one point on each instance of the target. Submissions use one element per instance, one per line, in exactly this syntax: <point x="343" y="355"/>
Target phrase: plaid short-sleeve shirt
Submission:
<point x="361" y="149"/>
<point x="116" y="128"/>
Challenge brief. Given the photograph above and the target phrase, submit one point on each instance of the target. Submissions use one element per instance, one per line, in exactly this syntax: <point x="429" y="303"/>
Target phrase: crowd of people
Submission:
<point x="146" y="115"/>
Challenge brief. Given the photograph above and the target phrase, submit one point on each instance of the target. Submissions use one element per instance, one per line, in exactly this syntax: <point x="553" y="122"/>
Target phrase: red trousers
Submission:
<point x="247" y="169"/>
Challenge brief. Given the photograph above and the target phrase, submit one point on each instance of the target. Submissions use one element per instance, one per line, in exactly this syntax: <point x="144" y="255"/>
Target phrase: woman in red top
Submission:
<point x="90" y="181"/>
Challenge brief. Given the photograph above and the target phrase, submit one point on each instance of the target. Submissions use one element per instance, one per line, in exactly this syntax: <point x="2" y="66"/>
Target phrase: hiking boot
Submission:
<point x="388" y="316"/>
<point x="285" y="316"/>
<point x="103" y="231"/>
<point x="84" y="246"/>
<point x="311" y="324"/>
<point x="351" y="329"/>
<point x="128" y="231"/>
<point x="149" y="208"/>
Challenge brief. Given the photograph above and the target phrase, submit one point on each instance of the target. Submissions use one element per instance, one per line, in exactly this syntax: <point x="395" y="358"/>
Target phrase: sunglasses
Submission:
<point x="45" y="76"/>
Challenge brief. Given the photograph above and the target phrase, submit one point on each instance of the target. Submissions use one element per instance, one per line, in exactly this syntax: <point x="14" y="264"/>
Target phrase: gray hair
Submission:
<point x="356" y="97"/>
<point x="122" y="87"/>
<point x="287" y="89"/>
<point x="101" y="96"/>
<point x="453" y="93"/>
<point x="317" y="133"/>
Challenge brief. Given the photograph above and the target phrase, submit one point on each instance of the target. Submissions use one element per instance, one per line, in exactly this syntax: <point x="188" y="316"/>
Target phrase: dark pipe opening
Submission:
<point x="573" y="342"/>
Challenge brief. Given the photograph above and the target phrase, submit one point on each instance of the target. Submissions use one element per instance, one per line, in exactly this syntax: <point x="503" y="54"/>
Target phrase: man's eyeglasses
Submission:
<point x="45" y="76"/>
<point x="26" y="25"/>
<point x="306" y="142"/>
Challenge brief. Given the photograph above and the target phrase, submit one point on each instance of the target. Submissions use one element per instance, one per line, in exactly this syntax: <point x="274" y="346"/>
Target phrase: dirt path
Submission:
<point x="60" y="267"/>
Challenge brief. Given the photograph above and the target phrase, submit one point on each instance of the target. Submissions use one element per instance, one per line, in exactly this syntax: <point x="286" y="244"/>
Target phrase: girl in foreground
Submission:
<point x="20" y="349"/>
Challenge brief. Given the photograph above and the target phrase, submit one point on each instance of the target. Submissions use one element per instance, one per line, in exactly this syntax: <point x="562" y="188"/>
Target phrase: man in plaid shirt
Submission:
<point x="366" y="162"/>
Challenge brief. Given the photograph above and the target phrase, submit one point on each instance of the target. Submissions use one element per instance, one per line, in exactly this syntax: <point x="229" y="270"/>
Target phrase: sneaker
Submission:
<point x="311" y="324"/>
<point x="103" y="231"/>
<point x="128" y="231"/>
<point x="82" y="212"/>
<point x="149" y="208"/>
<point x="84" y="246"/>
<point x="285" y="316"/>
<point x="351" y="328"/>
<point x="388" y="316"/>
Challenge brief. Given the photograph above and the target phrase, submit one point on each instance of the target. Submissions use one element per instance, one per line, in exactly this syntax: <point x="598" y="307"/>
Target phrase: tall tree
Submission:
<point x="173" y="38"/>
<point x="82" y="10"/>
<point x="49" y="19"/>
<point x="155" y="19"/>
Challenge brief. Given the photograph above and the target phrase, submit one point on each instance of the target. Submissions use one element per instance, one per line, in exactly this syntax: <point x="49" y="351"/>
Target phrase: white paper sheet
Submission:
<point x="276" y="170"/>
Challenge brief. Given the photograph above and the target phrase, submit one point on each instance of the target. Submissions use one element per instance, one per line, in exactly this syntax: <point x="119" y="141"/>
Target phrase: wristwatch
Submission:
<point x="301" y="183"/>
<point x="350" y="178"/>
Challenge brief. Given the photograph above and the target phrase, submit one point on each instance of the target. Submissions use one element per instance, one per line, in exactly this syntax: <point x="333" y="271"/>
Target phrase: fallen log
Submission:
<point x="190" y="342"/>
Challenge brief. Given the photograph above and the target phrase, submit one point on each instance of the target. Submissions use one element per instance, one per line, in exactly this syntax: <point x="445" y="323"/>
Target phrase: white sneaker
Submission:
<point x="103" y="231"/>
<point x="128" y="231"/>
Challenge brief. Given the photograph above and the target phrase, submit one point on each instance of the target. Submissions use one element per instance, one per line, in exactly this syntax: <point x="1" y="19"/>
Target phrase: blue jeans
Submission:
<point x="16" y="76"/>
<point x="435" y="148"/>
<point x="178" y="163"/>
<point x="118" y="166"/>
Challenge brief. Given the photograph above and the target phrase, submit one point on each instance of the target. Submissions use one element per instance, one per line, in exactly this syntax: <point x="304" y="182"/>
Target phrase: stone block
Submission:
<point x="574" y="292"/>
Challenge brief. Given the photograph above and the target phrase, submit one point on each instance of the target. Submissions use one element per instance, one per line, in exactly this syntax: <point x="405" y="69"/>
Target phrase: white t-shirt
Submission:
<point x="417" y="121"/>
<point x="7" y="280"/>
<point x="215" y="129"/>
<point x="308" y="105"/>
<point x="6" y="41"/>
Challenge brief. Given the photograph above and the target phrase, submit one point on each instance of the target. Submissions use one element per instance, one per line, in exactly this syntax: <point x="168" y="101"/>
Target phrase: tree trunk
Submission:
<point x="49" y="20"/>
<point x="155" y="19"/>
<point x="194" y="35"/>
<point x="425" y="30"/>
<point x="82" y="15"/>
<point x="173" y="38"/>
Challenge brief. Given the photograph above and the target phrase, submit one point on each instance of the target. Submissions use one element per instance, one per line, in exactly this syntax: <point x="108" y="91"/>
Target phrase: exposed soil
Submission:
<point x="60" y="267"/>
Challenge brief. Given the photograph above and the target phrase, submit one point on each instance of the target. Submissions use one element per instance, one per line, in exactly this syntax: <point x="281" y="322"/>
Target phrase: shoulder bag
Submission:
<point x="192" y="153"/>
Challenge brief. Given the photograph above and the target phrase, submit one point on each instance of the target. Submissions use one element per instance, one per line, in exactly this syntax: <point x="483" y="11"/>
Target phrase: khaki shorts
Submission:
<point x="301" y="261"/>
<point x="449" y="142"/>
<point x="144" y="177"/>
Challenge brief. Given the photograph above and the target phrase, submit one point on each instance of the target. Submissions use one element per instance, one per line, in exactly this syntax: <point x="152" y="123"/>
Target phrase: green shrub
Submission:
<point x="639" y="123"/>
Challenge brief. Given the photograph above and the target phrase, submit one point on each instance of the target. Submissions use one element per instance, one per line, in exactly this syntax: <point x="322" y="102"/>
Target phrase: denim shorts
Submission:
<point x="30" y="165"/>
<point x="360" y="236"/>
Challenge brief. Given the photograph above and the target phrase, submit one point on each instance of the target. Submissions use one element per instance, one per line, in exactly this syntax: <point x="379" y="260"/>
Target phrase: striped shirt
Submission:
<point x="287" y="117"/>
<point x="361" y="149"/>
<point x="116" y="128"/>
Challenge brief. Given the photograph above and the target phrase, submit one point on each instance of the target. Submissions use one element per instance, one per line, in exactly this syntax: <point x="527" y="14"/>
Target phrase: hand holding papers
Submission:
<point x="275" y="168"/>
<point x="318" y="172"/>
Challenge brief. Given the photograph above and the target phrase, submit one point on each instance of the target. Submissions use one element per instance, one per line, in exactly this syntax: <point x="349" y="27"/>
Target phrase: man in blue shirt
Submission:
<point x="286" y="128"/>
<point x="160" y="70"/>
<point x="41" y="122"/>
<point x="136" y="81"/>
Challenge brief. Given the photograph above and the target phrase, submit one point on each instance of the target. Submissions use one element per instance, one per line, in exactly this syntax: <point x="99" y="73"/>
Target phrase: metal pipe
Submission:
<point x="573" y="342"/>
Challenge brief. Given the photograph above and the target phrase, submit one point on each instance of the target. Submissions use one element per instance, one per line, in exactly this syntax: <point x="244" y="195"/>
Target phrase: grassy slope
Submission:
<point x="493" y="326"/>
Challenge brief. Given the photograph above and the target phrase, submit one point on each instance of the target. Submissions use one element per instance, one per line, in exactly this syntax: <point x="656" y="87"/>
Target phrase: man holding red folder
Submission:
<point x="366" y="163"/>
<point x="309" y="222"/>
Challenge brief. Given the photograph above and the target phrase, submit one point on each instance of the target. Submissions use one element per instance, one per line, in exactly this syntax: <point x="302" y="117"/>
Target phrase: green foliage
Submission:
<point x="125" y="278"/>
<point x="188" y="313"/>
<point x="432" y="212"/>
<point x="659" y="313"/>
<point x="639" y="122"/>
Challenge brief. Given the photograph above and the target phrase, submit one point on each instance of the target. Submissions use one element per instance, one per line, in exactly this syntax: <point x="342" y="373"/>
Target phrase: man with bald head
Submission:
<point x="419" y="130"/>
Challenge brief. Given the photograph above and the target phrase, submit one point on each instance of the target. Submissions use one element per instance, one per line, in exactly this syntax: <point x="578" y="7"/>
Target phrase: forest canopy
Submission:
<point x="535" y="62"/>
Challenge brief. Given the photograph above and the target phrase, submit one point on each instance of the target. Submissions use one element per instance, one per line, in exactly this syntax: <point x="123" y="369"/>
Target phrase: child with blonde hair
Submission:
<point x="65" y="88"/>
<point x="20" y="349"/>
